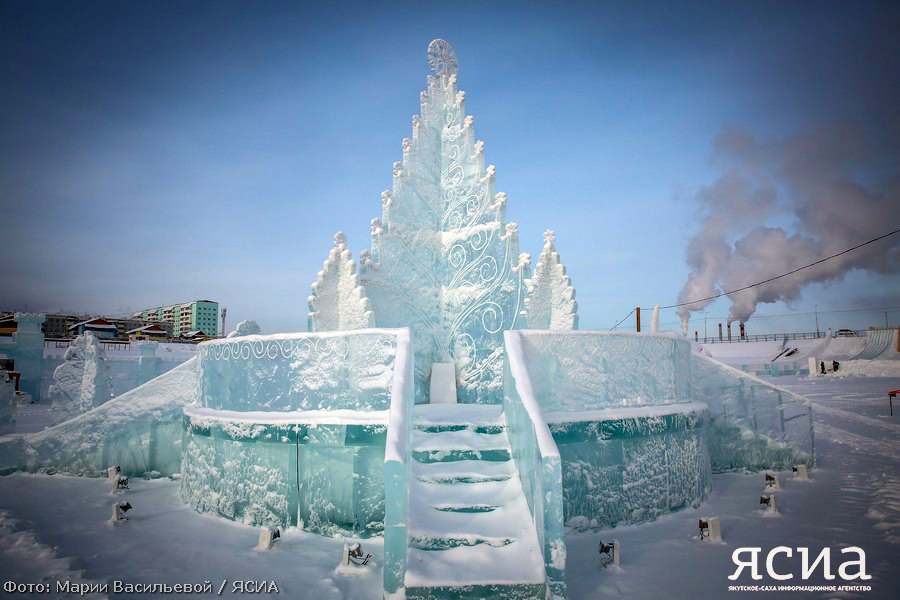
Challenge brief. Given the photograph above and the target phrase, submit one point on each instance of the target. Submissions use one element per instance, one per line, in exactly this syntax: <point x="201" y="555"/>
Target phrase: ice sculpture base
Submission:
<point x="631" y="465"/>
<point x="319" y="470"/>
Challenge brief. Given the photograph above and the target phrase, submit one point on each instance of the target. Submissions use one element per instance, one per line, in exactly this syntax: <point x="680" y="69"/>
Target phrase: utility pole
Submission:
<point x="885" y="319"/>
<point x="224" y="312"/>
<point x="637" y="311"/>
<point x="704" y="326"/>
<point x="817" y="321"/>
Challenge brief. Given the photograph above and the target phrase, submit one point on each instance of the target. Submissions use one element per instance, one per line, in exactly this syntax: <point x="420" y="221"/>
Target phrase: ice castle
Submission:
<point x="443" y="398"/>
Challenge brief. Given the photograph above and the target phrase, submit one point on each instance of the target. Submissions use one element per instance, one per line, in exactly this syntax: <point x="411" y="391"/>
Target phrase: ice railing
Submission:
<point x="299" y="372"/>
<point x="591" y="370"/>
<point x="537" y="460"/>
<point x="755" y="425"/>
<point x="396" y="465"/>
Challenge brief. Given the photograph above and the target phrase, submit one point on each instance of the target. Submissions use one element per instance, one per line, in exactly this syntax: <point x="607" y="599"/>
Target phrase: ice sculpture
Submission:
<point x="81" y="382"/>
<point x="245" y="328"/>
<point x="338" y="301"/>
<point x="551" y="298"/>
<point x="443" y="259"/>
<point x="321" y="430"/>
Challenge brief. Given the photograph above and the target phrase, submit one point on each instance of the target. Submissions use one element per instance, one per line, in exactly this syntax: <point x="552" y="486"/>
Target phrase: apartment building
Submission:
<point x="197" y="315"/>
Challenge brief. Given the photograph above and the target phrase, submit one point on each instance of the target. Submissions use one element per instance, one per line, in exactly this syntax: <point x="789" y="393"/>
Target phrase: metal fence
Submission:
<point x="768" y="337"/>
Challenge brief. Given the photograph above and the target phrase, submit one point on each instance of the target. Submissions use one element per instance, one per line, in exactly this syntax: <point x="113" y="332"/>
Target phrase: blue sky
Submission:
<point x="153" y="153"/>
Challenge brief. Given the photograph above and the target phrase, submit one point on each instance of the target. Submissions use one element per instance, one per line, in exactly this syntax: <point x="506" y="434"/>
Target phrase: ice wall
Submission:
<point x="128" y="365"/>
<point x="82" y="382"/>
<point x="299" y="372"/>
<point x="139" y="430"/>
<point x="325" y="476"/>
<point x="754" y="425"/>
<point x="291" y="429"/>
<point x="630" y="439"/>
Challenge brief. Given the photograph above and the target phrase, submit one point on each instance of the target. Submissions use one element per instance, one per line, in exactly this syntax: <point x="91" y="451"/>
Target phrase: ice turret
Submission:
<point x="551" y="297"/>
<point x="338" y="301"/>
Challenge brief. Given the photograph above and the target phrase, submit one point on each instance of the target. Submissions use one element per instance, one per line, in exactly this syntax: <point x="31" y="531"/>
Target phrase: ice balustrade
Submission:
<point x="397" y="466"/>
<point x="291" y="430"/>
<point x="754" y="425"/>
<point x="537" y="459"/>
<point x="299" y="372"/>
<point x="592" y="370"/>
<point x="139" y="430"/>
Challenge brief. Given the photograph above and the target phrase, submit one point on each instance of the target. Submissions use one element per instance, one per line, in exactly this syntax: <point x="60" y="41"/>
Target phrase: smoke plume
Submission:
<point x="834" y="182"/>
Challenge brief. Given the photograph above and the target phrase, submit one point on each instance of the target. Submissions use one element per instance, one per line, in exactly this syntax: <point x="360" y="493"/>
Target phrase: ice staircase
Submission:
<point x="469" y="529"/>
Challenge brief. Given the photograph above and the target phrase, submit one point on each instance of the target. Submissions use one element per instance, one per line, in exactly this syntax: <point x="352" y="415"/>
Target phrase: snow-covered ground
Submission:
<point x="852" y="499"/>
<point x="56" y="528"/>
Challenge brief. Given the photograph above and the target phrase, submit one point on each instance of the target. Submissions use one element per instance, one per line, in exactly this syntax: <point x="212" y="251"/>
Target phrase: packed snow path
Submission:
<point x="470" y="529"/>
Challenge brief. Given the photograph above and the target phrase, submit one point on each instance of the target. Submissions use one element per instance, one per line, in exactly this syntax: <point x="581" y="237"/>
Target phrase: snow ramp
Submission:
<point x="139" y="431"/>
<point x="880" y="343"/>
<point x="843" y="348"/>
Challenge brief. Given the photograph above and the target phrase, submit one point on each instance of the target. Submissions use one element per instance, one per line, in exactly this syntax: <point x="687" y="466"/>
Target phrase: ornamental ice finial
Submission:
<point x="442" y="58"/>
<point x="549" y="236"/>
<point x="340" y="238"/>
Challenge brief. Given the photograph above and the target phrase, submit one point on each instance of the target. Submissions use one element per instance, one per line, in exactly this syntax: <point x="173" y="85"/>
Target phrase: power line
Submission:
<point x="623" y="319"/>
<point x="747" y="287"/>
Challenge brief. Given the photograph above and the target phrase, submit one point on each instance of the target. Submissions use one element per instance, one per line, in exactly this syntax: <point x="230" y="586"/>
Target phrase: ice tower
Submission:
<point x="444" y="261"/>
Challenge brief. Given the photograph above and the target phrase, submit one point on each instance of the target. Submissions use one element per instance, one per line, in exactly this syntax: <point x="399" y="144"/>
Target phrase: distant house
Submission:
<point x="101" y="328"/>
<point x="196" y="336"/>
<point x="148" y="332"/>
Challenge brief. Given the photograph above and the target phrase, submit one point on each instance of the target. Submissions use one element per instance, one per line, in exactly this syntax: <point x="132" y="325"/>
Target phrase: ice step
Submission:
<point x="471" y="566"/>
<point x="459" y="414"/>
<point x="469" y="530"/>
<point x="428" y="519"/>
<point x="462" y="472"/>
<point x="464" y="439"/>
<point x="453" y="446"/>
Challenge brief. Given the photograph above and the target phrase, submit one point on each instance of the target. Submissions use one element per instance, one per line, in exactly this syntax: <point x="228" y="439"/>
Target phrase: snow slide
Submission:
<point x="880" y="343"/>
<point x="139" y="430"/>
